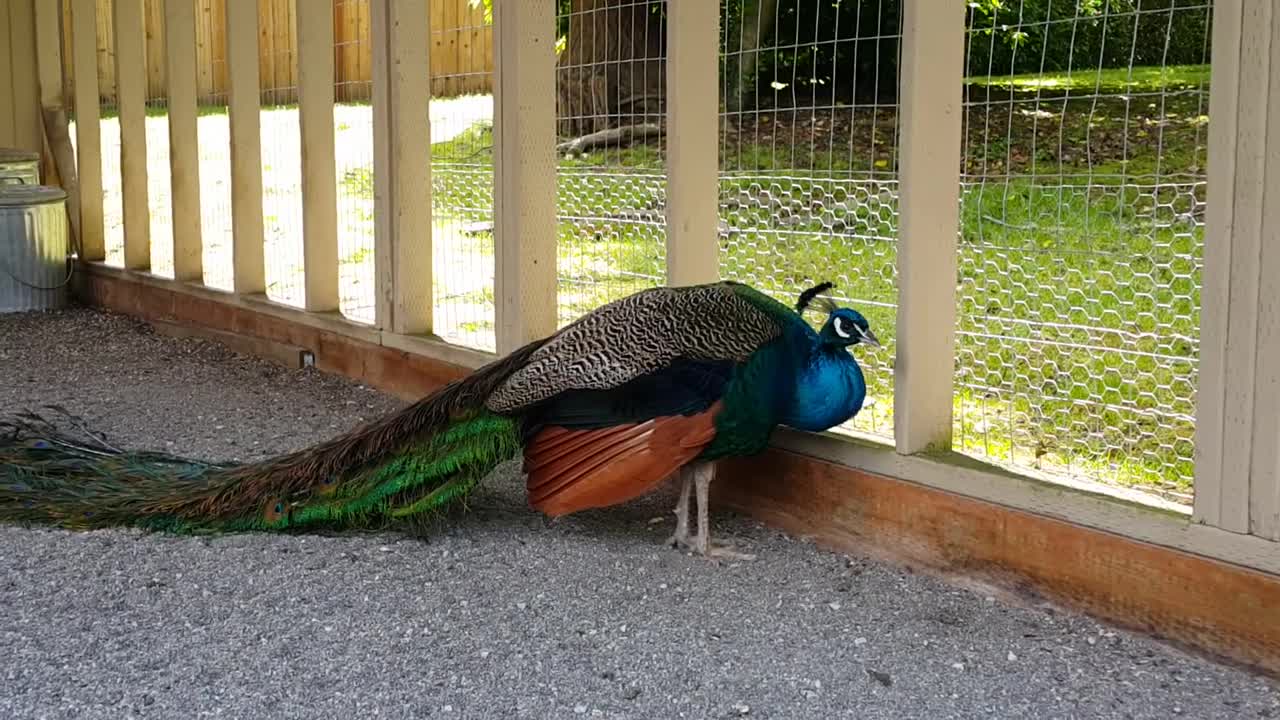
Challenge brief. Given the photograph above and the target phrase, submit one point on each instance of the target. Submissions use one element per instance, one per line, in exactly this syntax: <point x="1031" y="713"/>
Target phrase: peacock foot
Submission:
<point x="707" y="548"/>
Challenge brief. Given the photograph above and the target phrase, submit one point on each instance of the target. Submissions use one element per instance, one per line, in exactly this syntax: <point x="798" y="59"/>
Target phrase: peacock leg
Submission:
<point x="681" y="536"/>
<point x="703" y="473"/>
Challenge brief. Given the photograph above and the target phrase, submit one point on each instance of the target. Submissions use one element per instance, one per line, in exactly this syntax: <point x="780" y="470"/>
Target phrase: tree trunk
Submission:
<point x="613" y="69"/>
<point x="758" y="17"/>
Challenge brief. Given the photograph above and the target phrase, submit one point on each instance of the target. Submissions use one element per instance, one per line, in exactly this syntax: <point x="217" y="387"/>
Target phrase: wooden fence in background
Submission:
<point x="461" y="50"/>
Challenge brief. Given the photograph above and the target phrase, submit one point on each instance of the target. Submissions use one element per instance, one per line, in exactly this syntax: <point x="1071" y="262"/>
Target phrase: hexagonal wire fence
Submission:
<point x="1081" y="235"/>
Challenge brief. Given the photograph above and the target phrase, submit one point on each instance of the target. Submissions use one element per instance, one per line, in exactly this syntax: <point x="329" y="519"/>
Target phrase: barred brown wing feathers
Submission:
<point x="635" y="336"/>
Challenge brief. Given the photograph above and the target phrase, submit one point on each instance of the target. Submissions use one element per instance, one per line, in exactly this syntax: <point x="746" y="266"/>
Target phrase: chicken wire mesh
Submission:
<point x="808" y="181"/>
<point x="353" y="159"/>
<point x="281" y="151"/>
<point x="1081" y="238"/>
<point x="462" y="175"/>
<point x="611" y="187"/>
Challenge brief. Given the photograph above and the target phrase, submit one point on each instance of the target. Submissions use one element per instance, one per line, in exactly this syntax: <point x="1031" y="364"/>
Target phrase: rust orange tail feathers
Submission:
<point x="573" y="470"/>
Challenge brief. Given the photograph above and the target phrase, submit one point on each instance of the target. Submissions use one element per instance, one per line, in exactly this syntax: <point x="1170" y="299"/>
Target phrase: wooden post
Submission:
<point x="402" y="166"/>
<point x="693" y="159"/>
<point x="929" y="208"/>
<point x="1238" y="414"/>
<point x="248" y="255"/>
<point x="49" y="53"/>
<point x="25" y="96"/>
<point x="7" y="75"/>
<point x="184" y="142"/>
<point x="84" y="60"/>
<point x="131" y="101"/>
<point x="524" y="136"/>
<point x="319" y="166"/>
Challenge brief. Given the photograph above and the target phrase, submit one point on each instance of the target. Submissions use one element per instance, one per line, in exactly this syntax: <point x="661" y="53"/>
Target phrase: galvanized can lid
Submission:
<point x="24" y="195"/>
<point x="12" y="155"/>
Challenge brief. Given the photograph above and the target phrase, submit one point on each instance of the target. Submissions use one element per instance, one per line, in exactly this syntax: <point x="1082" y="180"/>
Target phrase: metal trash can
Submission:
<point x="21" y="167"/>
<point x="34" y="272"/>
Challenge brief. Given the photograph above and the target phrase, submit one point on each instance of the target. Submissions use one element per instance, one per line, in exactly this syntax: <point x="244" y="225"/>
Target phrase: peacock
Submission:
<point x="656" y="385"/>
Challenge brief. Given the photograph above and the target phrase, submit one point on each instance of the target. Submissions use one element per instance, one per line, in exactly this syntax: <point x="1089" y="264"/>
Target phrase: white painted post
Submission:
<point x="932" y="77"/>
<point x="184" y="142"/>
<point x="402" y="165"/>
<point x="131" y="100"/>
<point x="319" y="164"/>
<point x="248" y="251"/>
<point x="84" y="59"/>
<point x="1238" y="418"/>
<point x="693" y="159"/>
<point x="524" y="137"/>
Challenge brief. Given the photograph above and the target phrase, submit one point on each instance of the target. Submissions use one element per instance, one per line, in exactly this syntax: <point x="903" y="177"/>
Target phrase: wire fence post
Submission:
<point x="131" y="98"/>
<point x="84" y="61"/>
<point x="1237" y="476"/>
<point x="693" y="161"/>
<point x="319" y="164"/>
<point x="929" y="184"/>
<point x="244" y="105"/>
<point x="184" y="143"/>
<point x="524" y="136"/>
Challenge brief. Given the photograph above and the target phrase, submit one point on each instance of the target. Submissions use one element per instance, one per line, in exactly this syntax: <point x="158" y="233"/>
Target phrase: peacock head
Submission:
<point x="844" y="326"/>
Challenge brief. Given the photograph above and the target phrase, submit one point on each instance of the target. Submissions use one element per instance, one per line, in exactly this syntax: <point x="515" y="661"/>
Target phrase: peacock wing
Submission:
<point x="638" y="336"/>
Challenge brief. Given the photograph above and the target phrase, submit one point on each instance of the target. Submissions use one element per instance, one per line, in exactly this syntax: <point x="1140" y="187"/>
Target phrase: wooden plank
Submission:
<point x="8" y="137"/>
<point x="929" y="208"/>
<point x="524" y="136"/>
<point x="1264" y="470"/>
<point x="48" y="44"/>
<point x="319" y="164"/>
<point x="131" y="99"/>
<point x="157" y="56"/>
<point x="693" y="148"/>
<point x="1215" y="299"/>
<point x="84" y="55"/>
<point x="406" y="157"/>
<point x="247" y="235"/>
<point x="383" y="163"/>
<point x="106" y="52"/>
<point x="184" y="144"/>
<point x="27" y="124"/>
<point x="1246" y="248"/>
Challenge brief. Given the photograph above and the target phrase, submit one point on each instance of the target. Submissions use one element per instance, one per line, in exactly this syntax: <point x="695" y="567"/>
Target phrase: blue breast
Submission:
<point x="829" y="391"/>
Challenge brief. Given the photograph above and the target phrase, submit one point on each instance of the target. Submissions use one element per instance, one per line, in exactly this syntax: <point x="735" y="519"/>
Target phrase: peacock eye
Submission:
<point x="279" y="508"/>
<point x="838" y="323"/>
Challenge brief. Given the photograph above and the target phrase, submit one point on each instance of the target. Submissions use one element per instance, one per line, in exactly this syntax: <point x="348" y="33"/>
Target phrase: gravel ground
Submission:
<point x="499" y="614"/>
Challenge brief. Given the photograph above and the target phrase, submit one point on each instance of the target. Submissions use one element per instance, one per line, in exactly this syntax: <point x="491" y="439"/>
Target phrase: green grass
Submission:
<point x="1106" y="80"/>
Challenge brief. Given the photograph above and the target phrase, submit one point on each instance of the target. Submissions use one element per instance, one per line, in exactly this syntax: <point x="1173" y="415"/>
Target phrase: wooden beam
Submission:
<point x="929" y="209"/>
<point x="693" y="158"/>
<point x="402" y="166"/>
<point x="84" y="61"/>
<point x="524" y="136"/>
<point x="131" y="101"/>
<point x="248" y="252"/>
<point x="1264" y="467"/>
<point x="7" y="136"/>
<point x="184" y="141"/>
<point x="319" y="164"/>
<point x="49" y="53"/>
<point x="25" y="99"/>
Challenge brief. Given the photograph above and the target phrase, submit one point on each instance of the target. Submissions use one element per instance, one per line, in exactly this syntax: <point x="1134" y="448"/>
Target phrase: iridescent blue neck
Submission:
<point x="829" y="391"/>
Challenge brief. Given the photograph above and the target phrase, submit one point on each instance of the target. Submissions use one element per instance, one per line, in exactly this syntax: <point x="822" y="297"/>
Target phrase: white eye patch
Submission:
<point x="838" y="324"/>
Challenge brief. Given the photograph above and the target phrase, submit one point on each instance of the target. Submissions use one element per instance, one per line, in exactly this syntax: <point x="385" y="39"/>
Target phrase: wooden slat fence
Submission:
<point x="461" y="50"/>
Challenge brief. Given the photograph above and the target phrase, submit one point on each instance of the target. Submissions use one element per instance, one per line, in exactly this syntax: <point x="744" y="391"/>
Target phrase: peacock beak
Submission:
<point x="870" y="338"/>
